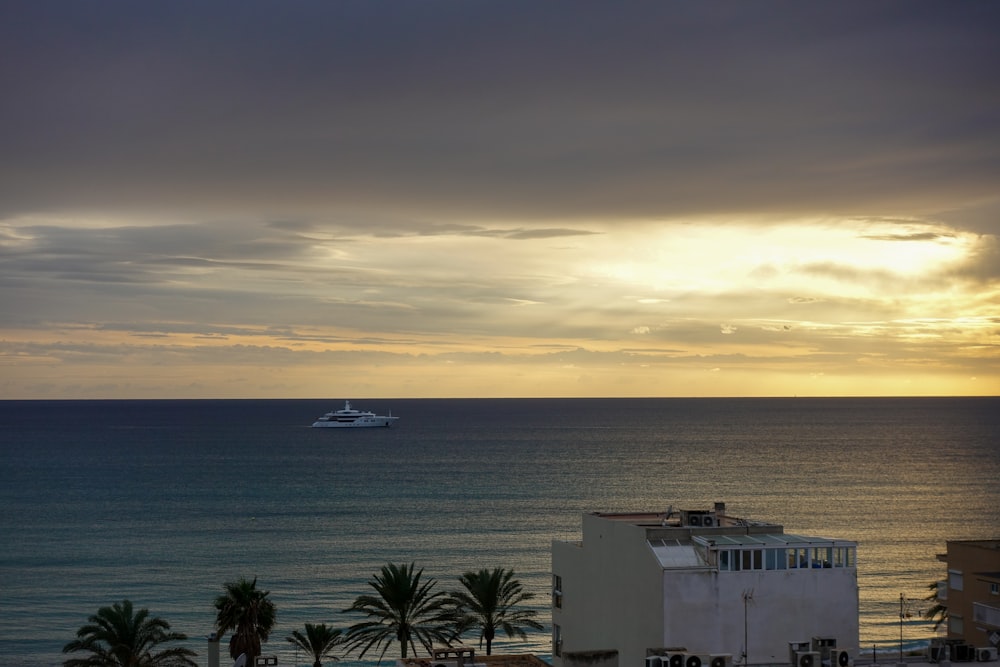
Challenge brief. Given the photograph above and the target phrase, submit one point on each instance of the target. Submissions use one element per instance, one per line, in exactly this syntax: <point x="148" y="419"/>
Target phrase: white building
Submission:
<point x="704" y="584"/>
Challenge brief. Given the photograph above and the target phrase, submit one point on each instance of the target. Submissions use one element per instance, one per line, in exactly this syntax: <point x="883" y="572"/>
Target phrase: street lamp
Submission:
<point x="747" y="599"/>
<point x="904" y="613"/>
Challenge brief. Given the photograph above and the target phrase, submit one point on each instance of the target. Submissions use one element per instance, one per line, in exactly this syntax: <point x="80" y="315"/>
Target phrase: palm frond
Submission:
<point x="406" y="610"/>
<point x="489" y="602"/>
<point x="119" y="635"/>
<point x="247" y="611"/>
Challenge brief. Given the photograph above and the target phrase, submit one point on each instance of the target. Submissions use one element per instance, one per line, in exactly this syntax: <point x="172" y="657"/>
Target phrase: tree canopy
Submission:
<point x="490" y="602"/>
<point x="937" y="613"/>
<point x="117" y="636"/>
<point x="318" y="641"/>
<point x="247" y="611"/>
<point x="405" y="610"/>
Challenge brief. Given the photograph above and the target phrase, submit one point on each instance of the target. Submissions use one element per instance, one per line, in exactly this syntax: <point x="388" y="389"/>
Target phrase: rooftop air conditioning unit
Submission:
<point x="697" y="660"/>
<point x="720" y="660"/>
<point x="794" y="648"/>
<point x="821" y="643"/>
<point x="653" y="661"/>
<point x="674" y="659"/>
<point x="694" y="520"/>
<point x="963" y="653"/>
<point x="661" y="653"/>
<point x="807" y="659"/>
<point x="840" y="658"/>
<point x="988" y="654"/>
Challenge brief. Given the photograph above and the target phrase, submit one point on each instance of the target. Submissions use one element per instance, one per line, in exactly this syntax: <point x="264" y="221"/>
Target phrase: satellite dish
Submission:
<point x="241" y="661"/>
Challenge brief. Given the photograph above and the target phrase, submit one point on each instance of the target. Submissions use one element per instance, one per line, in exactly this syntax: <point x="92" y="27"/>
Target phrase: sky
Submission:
<point x="354" y="199"/>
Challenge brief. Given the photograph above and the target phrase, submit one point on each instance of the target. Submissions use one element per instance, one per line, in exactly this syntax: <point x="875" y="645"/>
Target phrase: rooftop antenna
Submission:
<point x="747" y="599"/>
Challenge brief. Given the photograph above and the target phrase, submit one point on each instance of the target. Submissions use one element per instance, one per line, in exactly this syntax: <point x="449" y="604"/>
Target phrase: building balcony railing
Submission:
<point x="986" y="615"/>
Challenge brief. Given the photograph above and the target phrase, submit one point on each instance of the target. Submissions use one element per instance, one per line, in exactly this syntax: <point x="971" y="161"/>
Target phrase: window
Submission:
<point x="752" y="559"/>
<point x="822" y="557"/>
<point x="956" y="625"/>
<point x="734" y="560"/>
<point x="742" y="560"/>
<point x="994" y="588"/>
<point x="556" y="640"/>
<point x="557" y="591"/>
<point x="955" y="580"/>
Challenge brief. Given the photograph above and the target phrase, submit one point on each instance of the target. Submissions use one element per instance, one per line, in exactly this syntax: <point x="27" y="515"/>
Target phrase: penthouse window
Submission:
<point x="798" y="558"/>
<point x="736" y="560"/>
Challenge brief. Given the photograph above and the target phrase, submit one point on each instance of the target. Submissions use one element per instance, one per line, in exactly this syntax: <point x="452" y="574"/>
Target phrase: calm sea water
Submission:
<point x="161" y="502"/>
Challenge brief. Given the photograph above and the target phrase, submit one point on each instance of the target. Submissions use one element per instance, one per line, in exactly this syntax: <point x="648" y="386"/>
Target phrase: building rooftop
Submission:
<point x="766" y="540"/>
<point x="715" y="517"/>
<point x="693" y="538"/>
<point x="984" y="544"/>
<point x="677" y="555"/>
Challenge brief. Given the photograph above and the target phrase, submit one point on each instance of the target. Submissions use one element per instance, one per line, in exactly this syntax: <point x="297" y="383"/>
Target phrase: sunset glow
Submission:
<point x="322" y="214"/>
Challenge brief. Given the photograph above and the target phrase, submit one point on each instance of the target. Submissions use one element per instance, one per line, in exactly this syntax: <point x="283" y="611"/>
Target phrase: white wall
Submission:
<point x="616" y="596"/>
<point x="705" y="611"/>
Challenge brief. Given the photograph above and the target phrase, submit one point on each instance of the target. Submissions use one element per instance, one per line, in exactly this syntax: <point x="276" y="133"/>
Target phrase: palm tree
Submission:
<point x="488" y="602"/>
<point x="116" y="636"/>
<point x="318" y="641"/>
<point x="246" y="610"/>
<point x="937" y="612"/>
<point x="405" y="610"/>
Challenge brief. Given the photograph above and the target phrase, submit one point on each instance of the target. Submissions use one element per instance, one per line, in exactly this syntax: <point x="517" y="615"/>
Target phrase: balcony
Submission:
<point x="942" y="591"/>
<point x="984" y="614"/>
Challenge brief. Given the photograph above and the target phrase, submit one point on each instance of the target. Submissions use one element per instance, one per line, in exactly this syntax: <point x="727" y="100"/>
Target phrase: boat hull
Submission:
<point x="351" y="418"/>
<point x="367" y="423"/>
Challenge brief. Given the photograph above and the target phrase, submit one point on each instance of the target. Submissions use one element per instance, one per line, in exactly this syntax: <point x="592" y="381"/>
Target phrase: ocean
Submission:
<point x="162" y="502"/>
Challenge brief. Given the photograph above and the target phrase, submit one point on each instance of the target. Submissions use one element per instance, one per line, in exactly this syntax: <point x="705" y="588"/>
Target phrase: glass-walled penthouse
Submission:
<point x="736" y="553"/>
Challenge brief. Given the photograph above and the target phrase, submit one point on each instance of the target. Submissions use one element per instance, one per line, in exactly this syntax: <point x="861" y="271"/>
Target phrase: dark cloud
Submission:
<point x="425" y="181"/>
<point x="539" y="110"/>
<point x="544" y="233"/>
<point x="982" y="267"/>
<point x="916" y="236"/>
<point x="138" y="254"/>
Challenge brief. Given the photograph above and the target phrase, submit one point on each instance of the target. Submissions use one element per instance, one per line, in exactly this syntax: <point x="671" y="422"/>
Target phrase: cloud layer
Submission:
<point x="526" y="199"/>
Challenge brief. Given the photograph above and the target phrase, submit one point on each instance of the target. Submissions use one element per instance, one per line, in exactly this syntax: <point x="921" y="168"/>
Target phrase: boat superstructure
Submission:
<point x="348" y="417"/>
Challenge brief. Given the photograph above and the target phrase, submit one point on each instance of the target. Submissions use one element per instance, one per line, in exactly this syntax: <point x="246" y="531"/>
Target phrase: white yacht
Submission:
<point x="348" y="417"/>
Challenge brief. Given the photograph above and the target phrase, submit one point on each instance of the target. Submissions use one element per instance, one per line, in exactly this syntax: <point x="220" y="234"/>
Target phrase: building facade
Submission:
<point x="972" y="592"/>
<point x="719" y="588"/>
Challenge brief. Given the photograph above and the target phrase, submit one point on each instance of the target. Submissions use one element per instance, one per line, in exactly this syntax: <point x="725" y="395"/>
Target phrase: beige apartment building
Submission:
<point x="972" y="595"/>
